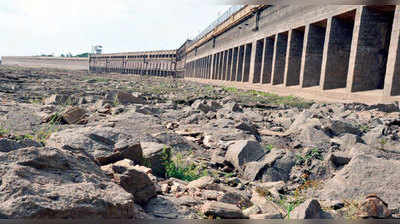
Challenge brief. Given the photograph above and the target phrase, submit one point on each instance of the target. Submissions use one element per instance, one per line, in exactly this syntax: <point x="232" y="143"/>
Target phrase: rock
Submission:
<point x="211" y="194"/>
<point x="338" y="127"/>
<point x="201" y="183"/>
<point x="222" y="210"/>
<point x="374" y="207"/>
<point x="280" y="170"/>
<point x="251" y="211"/>
<point x="201" y="105"/>
<point x="269" y="185"/>
<point x="310" y="209"/>
<point x="44" y="183"/>
<point x="214" y="106"/>
<point x="232" y="107"/>
<point x="339" y="158"/>
<point x="242" y="152"/>
<point x="125" y="98"/>
<point x="347" y="141"/>
<point x="134" y="179"/>
<point x="313" y="137"/>
<point x="73" y="115"/>
<point x="255" y="170"/>
<point x="106" y="145"/>
<point x="8" y="145"/>
<point x="388" y="108"/>
<point x="266" y="206"/>
<point x="123" y="150"/>
<point x="168" y="207"/>
<point x="218" y="157"/>
<point x="59" y="99"/>
<point x="153" y="154"/>
<point x="266" y="216"/>
<point x="372" y="137"/>
<point x="365" y="174"/>
<point x="248" y="127"/>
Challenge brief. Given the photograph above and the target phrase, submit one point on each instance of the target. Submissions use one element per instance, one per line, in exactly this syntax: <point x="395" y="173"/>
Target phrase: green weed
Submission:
<point x="177" y="169"/>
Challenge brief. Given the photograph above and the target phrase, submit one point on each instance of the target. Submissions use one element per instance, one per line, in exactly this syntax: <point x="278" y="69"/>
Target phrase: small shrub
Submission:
<point x="178" y="170"/>
<point x="268" y="148"/>
<point x="3" y="131"/>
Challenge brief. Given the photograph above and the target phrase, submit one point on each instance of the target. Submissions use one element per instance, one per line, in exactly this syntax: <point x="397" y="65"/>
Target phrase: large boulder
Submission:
<point x="106" y="145"/>
<point x="56" y="183"/>
<point x="134" y="179"/>
<point x="310" y="209"/>
<point x="275" y="166"/>
<point x="242" y="152"/>
<point x="363" y="175"/>
<point x="125" y="98"/>
<point x="73" y="115"/>
<point x="154" y="155"/>
<point x="60" y="99"/>
<point x="201" y="105"/>
<point x="222" y="210"/>
<point x="8" y="145"/>
<point x="167" y="207"/>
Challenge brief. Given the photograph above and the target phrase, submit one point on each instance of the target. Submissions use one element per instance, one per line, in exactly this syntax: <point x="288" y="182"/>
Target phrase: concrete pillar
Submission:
<point x="221" y="64"/>
<point x="217" y="65"/>
<point x="247" y="62"/>
<point x="234" y="63"/>
<point x="229" y="67"/>
<point x="336" y="54"/>
<point x="256" y="61"/>
<point x="369" y="51"/>
<point x="314" y="38"/>
<point x="392" y="79"/>
<point x="214" y="66"/>
<point x="293" y="57"/>
<point x="268" y="55"/>
<point x="224" y="65"/>
<point x="279" y="58"/>
<point x="210" y="64"/>
<point x="239" y="74"/>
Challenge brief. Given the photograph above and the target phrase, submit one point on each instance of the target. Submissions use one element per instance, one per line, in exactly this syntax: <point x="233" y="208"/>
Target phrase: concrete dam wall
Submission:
<point x="345" y="52"/>
<point x="352" y="48"/>
<point x="157" y="63"/>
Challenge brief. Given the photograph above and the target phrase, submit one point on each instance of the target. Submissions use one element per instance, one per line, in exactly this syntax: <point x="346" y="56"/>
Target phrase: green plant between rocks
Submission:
<point x="177" y="169"/>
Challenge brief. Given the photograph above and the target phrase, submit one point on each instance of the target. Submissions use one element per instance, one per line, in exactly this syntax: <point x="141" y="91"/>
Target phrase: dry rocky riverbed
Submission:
<point x="79" y="145"/>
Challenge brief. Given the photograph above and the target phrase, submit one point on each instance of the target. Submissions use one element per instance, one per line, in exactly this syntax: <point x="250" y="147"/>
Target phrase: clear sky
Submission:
<point x="34" y="27"/>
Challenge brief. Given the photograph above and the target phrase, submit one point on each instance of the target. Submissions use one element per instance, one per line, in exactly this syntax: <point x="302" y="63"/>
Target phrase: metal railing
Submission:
<point x="232" y="10"/>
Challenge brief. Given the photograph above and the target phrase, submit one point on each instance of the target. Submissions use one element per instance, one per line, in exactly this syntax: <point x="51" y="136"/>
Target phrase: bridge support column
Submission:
<point x="239" y="74"/>
<point x="369" y="50"/>
<point x="221" y="60"/>
<point x="293" y="57"/>
<point x="278" y="68"/>
<point x="229" y="68"/>
<point x="392" y="80"/>
<point x="214" y="66"/>
<point x="256" y="61"/>
<point x="211" y="66"/>
<point x="224" y="65"/>
<point x="314" y="39"/>
<point x="247" y="62"/>
<point x="336" y="54"/>
<point x="234" y="64"/>
<point x="267" y="59"/>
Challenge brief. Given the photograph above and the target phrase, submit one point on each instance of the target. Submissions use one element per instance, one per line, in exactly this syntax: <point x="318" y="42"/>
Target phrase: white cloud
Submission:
<point x="57" y="26"/>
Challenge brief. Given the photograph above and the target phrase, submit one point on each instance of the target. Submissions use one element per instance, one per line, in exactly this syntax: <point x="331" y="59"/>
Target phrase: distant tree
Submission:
<point x="62" y="55"/>
<point x="83" y="55"/>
